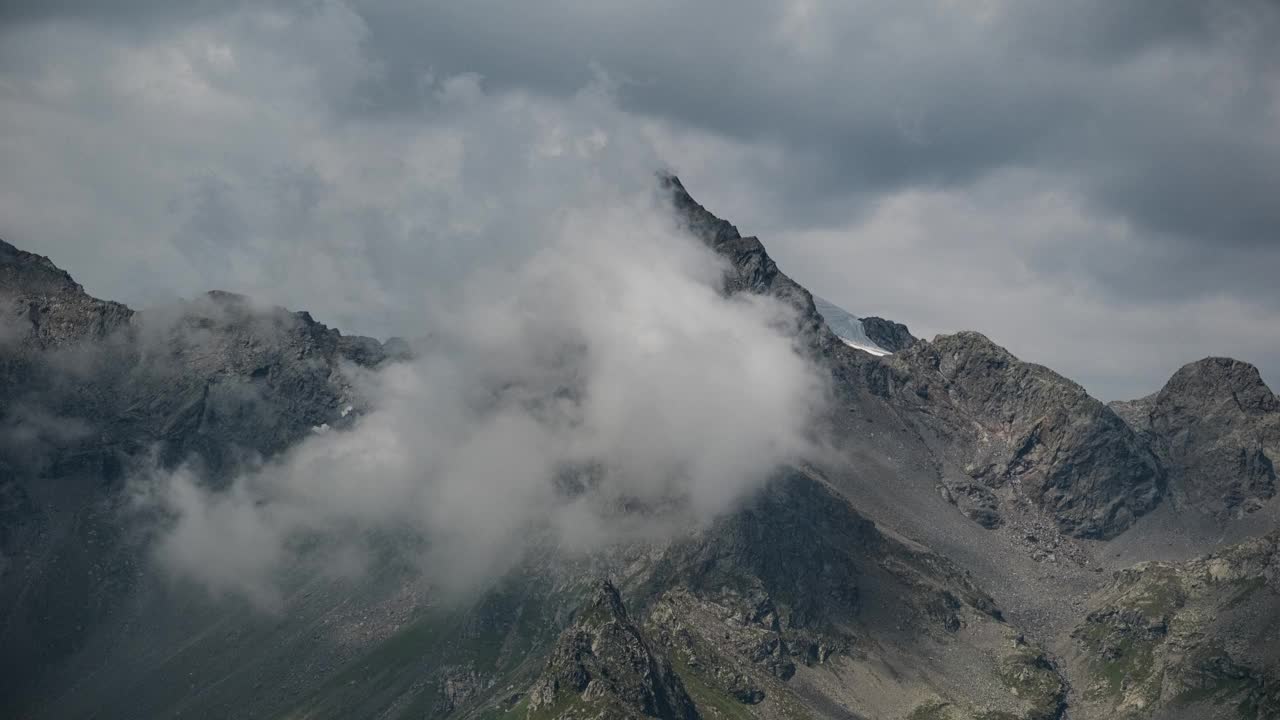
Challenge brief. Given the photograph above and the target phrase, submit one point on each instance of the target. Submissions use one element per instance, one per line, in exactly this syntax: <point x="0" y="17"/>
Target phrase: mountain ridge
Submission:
<point x="947" y="560"/>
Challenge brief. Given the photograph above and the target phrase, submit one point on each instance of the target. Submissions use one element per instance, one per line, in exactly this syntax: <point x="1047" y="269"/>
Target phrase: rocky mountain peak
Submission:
<point x="750" y="267"/>
<point x="1026" y="431"/>
<point x="969" y="353"/>
<point x="1220" y="380"/>
<point x="1216" y="427"/>
<point x="603" y="605"/>
<point x="30" y="274"/>
<point x="890" y="335"/>
<point x="41" y="307"/>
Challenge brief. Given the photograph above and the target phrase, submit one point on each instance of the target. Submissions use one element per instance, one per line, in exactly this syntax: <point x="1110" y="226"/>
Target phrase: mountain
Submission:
<point x="976" y="537"/>
<point x="1216" y="426"/>
<point x="1025" y="435"/>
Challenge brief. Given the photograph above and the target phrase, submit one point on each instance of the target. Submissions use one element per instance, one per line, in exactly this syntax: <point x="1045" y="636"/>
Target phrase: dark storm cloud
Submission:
<point x="1162" y="114"/>
<point x="1161" y="109"/>
<point x="1151" y="127"/>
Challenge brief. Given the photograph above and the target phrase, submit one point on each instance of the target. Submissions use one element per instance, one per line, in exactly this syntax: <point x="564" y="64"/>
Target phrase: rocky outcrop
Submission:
<point x="798" y="581"/>
<point x="1197" y="638"/>
<point x="1216" y="427"/>
<point x="890" y="335"/>
<point x="1022" y="432"/>
<point x="210" y="379"/>
<point x="603" y="667"/>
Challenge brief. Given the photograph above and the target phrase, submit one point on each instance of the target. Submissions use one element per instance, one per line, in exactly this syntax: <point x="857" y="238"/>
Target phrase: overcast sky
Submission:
<point x="1094" y="184"/>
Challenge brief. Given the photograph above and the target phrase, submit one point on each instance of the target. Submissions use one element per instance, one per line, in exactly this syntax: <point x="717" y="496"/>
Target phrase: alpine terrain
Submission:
<point x="970" y="537"/>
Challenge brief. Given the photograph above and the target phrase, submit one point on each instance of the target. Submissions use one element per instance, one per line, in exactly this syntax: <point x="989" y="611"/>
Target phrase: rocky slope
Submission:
<point x="796" y="606"/>
<point x="1199" y="639"/>
<point x="752" y="270"/>
<point x="1021" y="432"/>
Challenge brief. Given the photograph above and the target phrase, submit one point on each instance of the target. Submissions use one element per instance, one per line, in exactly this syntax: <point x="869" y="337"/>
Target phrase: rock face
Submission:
<point x="890" y="335"/>
<point x="1021" y="431"/>
<point x="210" y="377"/>
<point x="798" y="585"/>
<point x="800" y="551"/>
<point x="41" y="307"/>
<point x="752" y="270"/>
<point x="1216" y="427"/>
<point x="1194" y="639"/>
<point x="603" y="667"/>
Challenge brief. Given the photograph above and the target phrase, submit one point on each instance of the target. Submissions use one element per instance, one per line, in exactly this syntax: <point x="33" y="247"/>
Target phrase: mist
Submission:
<point x="601" y="389"/>
<point x="580" y="378"/>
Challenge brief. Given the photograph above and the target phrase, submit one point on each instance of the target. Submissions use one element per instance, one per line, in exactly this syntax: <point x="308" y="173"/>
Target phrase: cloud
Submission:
<point x="227" y="145"/>
<point x="605" y="371"/>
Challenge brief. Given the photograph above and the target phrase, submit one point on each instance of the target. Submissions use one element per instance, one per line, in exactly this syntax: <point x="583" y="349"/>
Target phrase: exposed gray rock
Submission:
<point x="890" y="335"/>
<point x="1196" y="637"/>
<point x="1216" y="427"/>
<point x="603" y="667"/>
<point x="42" y="308"/>
<point x="790" y="567"/>
<point x="1022" y="430"/>
<point x="752" y="270"/>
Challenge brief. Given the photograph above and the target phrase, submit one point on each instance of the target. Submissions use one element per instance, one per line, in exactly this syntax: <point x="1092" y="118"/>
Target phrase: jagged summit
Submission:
<point x="42" y="307"/>
<point x="890" y="335"/>
<point x="1222" y="378"/>
<point x="1024" y="432"/>
<point x="752" y="270"/>
<point x="1216" y="427"/>
<point x="33" y="274"/>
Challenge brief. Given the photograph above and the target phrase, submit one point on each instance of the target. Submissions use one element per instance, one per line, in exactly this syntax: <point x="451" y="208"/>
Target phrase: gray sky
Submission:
<point x="1092" y="184"/>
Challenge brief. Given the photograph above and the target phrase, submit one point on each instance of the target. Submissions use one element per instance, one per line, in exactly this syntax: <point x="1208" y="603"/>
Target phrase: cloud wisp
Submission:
<point x="602" y="390"/>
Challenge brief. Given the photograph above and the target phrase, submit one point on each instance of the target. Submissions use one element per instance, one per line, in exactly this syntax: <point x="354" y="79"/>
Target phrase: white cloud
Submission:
<point x="602" y="369"/>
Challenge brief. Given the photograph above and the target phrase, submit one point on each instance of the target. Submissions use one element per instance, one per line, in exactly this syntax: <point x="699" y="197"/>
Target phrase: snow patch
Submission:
<point x="867" y="348"/>
<point x="847" y="327"/>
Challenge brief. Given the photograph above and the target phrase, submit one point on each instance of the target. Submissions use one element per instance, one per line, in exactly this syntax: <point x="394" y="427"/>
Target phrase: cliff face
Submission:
<point x="890" y="335"/>
<point x="1021" y="431"/>
<point x="1216" y="427"/>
